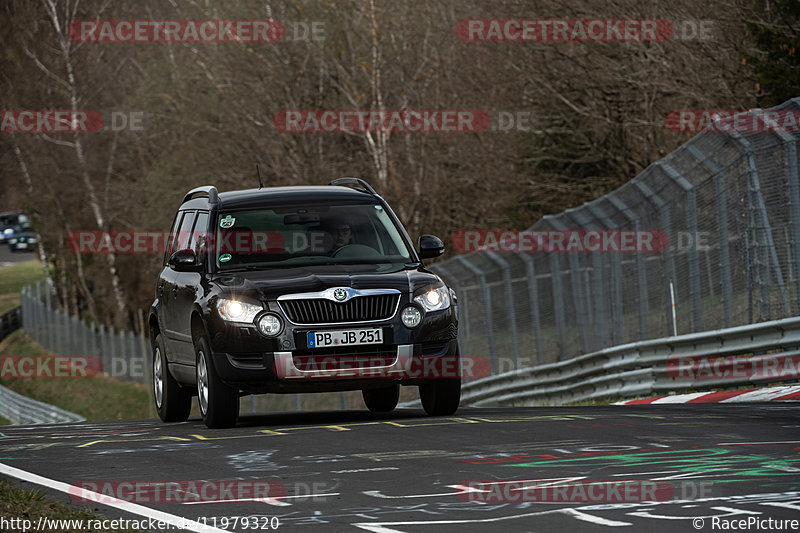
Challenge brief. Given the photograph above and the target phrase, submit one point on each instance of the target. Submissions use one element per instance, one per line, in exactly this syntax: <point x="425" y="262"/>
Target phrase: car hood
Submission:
<point x="269" y="284"/>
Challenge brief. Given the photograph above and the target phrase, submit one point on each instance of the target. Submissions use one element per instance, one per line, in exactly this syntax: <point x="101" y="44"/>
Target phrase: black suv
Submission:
<point x="298" y="289"/>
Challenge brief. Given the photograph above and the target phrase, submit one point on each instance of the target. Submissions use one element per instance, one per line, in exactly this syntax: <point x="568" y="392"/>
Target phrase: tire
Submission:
<point x="219" y="403"/>
<point x="440" y="397"/>
<point x="173" y="402"/>
<point x="382" y="400"/>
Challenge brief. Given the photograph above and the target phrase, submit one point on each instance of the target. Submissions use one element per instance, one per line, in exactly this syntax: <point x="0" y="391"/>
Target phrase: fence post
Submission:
<point x="615" y="278"/>
<point x="694" y="256"/>
<point x="667" y="261"/>
<point x="765" y="230"/>
<point x="533" y="300"/>
<point x="578" y="297"/>
<point x="35" y="331"/>
<point x="487" y="308"/>
<point x="790" y="148"/>
<point x="509" y="297"/>
<point x="722" y="224"/>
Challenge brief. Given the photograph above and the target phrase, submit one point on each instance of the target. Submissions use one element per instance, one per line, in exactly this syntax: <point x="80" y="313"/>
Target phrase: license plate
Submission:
<point x="349" y="337"/>
<point x="22" y="245"/>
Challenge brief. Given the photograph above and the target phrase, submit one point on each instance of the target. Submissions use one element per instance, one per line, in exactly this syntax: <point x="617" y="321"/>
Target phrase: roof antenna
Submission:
<point x="258" y="174"/>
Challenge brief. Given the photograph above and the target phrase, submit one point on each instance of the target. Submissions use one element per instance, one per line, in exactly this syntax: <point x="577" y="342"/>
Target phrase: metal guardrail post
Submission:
<point x="792" y="177"/>
<point x="487" y="308"/>
<point x="616" y="276"/>
<point x="579" y="297"/>
<point x="765" y="233"/>
<point x="667" y="260"/>
<point x="112" y="348"/>
<point x="694" y="256"/>
<point x="722" y="224"/>
<point x="509" y="297"/>
<point x="36" y="330"/>
<point x="642" y="303"/>
<point x="101" y="344"/>
<point x="558" y="302"/>
<point x="533" y="300"/>
<point x="578" y="294"/>
<point x="84" y="339"/>
<point x="595" y="290"/>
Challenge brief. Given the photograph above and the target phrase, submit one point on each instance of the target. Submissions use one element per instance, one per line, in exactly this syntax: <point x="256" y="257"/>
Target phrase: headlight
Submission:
<point x="435" y="299"/>
<point x="411" y="316"/>
<point x="12" y="241"/>
<point x="270" y="324"/>
<point x="236" y="311"/>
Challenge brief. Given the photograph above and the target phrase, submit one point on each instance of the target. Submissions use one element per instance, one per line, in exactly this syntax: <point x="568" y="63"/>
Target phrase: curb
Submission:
<point x="771" y="394"/>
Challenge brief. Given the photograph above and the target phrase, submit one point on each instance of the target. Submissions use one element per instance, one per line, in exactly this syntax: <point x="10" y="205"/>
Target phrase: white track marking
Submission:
<point x="278" y="502"/>
<point x="380" y="527"/>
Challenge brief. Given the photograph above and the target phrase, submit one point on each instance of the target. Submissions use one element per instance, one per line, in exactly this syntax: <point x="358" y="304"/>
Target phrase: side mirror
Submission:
<point x="430" y="246"/>
<point x="183" y="261"/>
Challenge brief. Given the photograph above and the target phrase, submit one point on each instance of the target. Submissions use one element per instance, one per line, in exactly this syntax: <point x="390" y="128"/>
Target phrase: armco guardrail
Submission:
<point x="745" y="355"/>
<point x="20" y="409"/>
<point x="10" y="322"/>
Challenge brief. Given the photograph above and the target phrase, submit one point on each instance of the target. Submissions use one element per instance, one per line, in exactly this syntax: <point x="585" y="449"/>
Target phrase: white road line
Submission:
<point x="464" y="489"/>
<point x="122" y="505"/>
<point x="380" y="527"/>
<point x="270" y="501"/>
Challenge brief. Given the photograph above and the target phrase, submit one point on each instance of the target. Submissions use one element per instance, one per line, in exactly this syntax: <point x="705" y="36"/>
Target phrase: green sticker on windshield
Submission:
<point x="226" y="222"/>
<point x="224" y="258"/>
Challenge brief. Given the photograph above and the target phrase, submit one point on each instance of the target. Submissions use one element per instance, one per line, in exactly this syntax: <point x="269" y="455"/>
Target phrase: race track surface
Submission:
<point x="629" y="468"/>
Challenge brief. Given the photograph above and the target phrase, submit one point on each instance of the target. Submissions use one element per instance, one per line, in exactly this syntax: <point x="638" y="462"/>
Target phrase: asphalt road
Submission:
<point x="8" y="258"/>
<point x="654" y="468"/>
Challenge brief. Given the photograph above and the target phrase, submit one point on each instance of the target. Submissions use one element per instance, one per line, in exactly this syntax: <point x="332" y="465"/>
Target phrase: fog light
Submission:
<point x="269" y="324"/>
<point x="411" y="316"/>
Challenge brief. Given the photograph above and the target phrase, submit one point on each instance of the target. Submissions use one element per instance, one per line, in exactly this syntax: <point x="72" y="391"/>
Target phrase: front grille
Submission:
<point x="358" y="309"/>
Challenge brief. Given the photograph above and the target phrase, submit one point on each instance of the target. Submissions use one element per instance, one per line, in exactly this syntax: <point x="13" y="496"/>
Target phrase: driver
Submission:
<point x="342" y="234"/>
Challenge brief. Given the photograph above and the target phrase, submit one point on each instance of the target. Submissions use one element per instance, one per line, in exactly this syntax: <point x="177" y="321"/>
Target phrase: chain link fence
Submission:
<point x="729" y="203"/>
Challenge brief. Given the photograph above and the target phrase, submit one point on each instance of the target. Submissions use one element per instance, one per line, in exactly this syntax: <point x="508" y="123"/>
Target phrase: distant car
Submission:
<point x="8" y="222"/>
<point x="23" y="239"/>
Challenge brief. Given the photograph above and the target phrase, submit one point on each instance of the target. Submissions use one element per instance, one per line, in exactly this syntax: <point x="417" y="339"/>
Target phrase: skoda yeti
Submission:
<point x="298" y="289"/>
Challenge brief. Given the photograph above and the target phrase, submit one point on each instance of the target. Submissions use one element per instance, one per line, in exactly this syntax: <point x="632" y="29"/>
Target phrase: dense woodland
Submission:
<point x="598" y="112"/>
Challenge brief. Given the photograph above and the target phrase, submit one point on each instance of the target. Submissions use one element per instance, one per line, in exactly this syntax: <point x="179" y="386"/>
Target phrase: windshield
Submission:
<point x="302" y="235"/>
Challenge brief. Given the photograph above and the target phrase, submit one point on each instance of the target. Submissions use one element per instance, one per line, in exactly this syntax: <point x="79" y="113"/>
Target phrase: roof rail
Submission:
<point x="355" y="181"/>
<point x="208" y="190"/>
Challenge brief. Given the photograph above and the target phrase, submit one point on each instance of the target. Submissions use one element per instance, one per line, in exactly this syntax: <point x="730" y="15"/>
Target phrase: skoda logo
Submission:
<point x="340" y="295"/>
